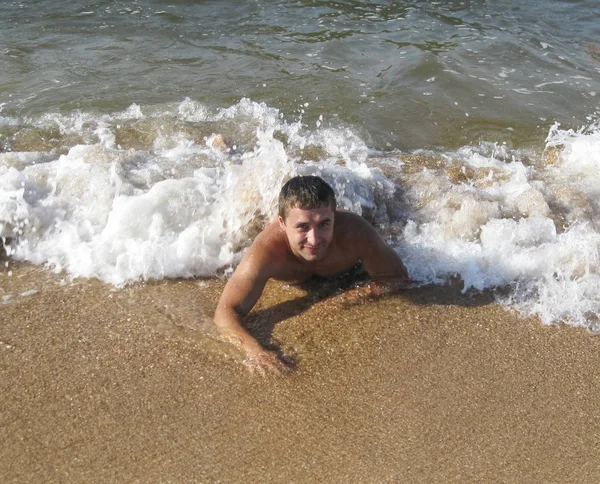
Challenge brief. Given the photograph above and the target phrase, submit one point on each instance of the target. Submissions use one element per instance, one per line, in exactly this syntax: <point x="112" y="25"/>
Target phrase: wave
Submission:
<point x="180" y="190"/>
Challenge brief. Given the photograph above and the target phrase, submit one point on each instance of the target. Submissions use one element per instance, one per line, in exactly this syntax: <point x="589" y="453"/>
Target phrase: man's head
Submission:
<point x="306" y="192"/>
<point x="306" y="214"/>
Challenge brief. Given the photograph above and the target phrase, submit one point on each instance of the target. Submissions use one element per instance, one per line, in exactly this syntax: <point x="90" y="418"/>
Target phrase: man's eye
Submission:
<point x="324" y="224"/>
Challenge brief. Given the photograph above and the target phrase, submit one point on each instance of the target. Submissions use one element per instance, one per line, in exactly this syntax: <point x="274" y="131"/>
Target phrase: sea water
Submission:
<point x="147" y="140"/>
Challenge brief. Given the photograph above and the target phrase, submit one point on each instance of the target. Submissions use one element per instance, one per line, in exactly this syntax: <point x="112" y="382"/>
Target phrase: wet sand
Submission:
<point x="99" y="384"/>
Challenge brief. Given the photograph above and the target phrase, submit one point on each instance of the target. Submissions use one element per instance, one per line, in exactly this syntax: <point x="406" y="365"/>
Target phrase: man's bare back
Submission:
<point x="302" y="242"/>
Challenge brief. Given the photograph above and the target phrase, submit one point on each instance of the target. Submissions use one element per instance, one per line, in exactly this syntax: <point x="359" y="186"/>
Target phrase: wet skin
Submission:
<point x="308" y="242"/>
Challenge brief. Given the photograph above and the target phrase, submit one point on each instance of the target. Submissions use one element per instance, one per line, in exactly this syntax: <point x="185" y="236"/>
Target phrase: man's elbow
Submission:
<point x="226" y="311"/>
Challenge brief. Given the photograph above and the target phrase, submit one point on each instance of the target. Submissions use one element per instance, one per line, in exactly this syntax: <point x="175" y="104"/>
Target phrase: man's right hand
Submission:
<point x="266" y="363"/>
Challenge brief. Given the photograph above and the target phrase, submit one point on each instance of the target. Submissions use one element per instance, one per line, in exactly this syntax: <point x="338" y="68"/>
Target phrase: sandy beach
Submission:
<point x="149" y="141"/>
<point x="123" y="385"/>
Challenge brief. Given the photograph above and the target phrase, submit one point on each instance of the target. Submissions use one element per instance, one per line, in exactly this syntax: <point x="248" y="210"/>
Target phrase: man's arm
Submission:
<point x="381" y="262"/>
<point x="240" y="295"/>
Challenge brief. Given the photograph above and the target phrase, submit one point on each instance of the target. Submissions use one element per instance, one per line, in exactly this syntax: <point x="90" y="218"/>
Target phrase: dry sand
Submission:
<point x="99" y="384"/>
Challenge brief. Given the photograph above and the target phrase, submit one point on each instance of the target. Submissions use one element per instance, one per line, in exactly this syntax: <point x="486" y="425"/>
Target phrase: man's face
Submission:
<point x="309" y="232"/>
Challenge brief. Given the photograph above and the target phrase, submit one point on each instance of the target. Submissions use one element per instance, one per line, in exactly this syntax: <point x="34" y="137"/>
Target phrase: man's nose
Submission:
<point x="312" y="237"/>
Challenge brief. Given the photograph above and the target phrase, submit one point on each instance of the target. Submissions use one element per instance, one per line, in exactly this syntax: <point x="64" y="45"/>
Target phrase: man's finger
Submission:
<point x="267" y="363"/>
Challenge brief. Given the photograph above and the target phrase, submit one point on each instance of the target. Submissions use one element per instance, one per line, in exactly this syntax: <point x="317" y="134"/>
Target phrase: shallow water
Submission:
<point x="143" y="140"/>
<point x="411" y="74"/>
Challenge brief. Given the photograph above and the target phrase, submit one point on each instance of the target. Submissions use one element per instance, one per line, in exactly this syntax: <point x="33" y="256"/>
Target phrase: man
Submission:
<point x="310" y="237"/>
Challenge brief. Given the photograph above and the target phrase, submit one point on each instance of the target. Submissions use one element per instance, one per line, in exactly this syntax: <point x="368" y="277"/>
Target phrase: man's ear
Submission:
<point x="281" y="221"/>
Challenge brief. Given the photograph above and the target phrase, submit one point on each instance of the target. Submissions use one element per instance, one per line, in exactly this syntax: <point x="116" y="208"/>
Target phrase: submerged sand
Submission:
<point x="99" y="384"/>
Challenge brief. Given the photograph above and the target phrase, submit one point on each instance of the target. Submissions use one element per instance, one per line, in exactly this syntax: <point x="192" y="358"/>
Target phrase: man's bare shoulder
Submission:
<point x="355" y="235"/>
<point x="359" y="238"/>
<point x="271" y="238"/>
<point x="269" y="251"/>
<point x="350" y="226"/>
<point x="349" y="218"/>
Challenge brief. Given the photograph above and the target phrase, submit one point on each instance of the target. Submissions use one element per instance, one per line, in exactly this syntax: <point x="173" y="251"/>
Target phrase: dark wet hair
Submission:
<point x="306" y="192"/>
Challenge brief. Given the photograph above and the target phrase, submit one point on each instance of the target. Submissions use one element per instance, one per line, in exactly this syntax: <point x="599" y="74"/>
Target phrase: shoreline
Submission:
<point x="123" y="385"/>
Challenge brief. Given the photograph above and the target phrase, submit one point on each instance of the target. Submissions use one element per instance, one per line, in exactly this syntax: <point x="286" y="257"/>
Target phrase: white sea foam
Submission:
<point x="178" y="209"/>
<point x="170" y="204"/>
<point x="533" y="228"/>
